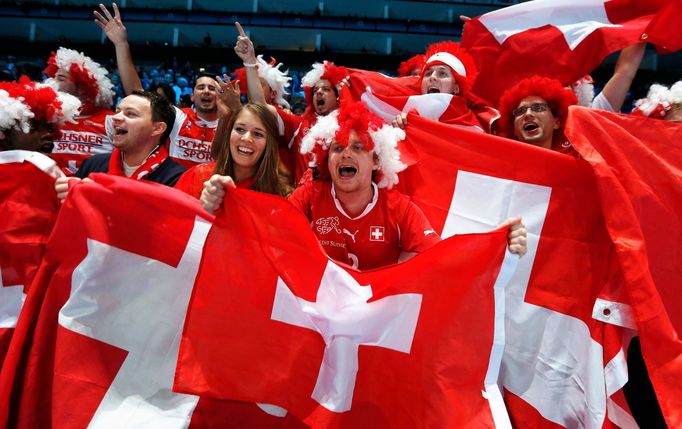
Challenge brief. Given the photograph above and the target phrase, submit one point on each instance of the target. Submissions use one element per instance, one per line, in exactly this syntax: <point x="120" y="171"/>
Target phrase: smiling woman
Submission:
<point x="247" y="159"/>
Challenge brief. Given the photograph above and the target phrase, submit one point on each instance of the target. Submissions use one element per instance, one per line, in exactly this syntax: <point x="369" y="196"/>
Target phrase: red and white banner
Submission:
<point x="637" y="163"/>
<point x="466" y="182"/>
<point x="97" y="343"/>
<point x="562" y="39"/>
<point x="28" y="209"/>
<point x="388" y="97"/>
<point x="391" y="347"/>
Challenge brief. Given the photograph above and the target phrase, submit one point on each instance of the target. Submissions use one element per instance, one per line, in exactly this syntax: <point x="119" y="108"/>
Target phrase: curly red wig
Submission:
<point x="42" y="101"/>
<point x="408" y="66"/>
<point x="80" y="76"/>
<point x="354" y="116"/>
<point x="466" y="80"/>
<point x="551" y="90"/>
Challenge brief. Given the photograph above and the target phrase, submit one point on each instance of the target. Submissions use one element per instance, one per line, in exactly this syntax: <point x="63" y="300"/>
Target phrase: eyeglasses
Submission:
<point x="535" y="107"/>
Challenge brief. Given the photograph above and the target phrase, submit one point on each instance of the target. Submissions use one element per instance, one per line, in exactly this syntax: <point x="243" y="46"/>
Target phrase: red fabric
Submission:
<point x="60" y="376"/>
<point x="191" y="138"/>
<point x="150" y="164"/>
<point x="395" y="94"/>
<point x="637" y="162"/>
<point x="376" y="239"/>
<point x="28" y="209"/>
<point x="574" y="261"/>
<point x="74" y="143"/>
<point x="279" y="363"/>
<point x="542" y="49"/>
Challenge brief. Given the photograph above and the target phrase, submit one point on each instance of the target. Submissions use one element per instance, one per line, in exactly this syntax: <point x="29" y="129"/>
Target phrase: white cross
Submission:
<point x="570" y="368"/>
<point x="345" y="320"/>
<point x="576" y="19"/>
<point x="140" y="309"/>
<point x="11" y="300"/>
<point x="377" y="233"/>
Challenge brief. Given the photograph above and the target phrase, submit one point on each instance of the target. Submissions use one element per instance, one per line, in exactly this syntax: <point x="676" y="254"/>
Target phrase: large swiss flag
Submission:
<point x="392" y="347"/>
<point x="96" y="345"/>
<point x="562" y="39"/>
<point x="564" y="360"/>
<point x="638" y="165"/>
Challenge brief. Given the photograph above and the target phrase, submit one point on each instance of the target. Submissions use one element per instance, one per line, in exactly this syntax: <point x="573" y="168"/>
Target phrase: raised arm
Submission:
<point x="245" y="50"/>
<point x="116" y="32"/>
<point x="624" y="73"/>
<point x="228" y="103"/>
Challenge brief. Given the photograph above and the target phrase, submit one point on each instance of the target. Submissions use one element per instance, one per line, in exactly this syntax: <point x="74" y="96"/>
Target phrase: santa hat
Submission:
<point x="584" y="90"/>
<point x="22" y="101"/>
<point x="375" y="134"/>
<point x="408" y="66"/>
<point x="452" y="55"/>
<point x="277" y="79"/>
<point x="550" y="90"/>
<point x="90" y="77"/>
<point x="325" y="70"/>
<point x="659" y="101"/>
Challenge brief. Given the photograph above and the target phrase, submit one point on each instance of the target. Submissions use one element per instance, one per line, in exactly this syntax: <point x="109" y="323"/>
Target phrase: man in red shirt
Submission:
<point x="354" y="213"/>
<point x="91" y="134"/>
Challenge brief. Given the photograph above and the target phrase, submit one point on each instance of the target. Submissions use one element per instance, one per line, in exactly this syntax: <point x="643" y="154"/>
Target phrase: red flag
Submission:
<point x="467" y="182"/>
<point x="339" y="348"/>
<point x="562" y="39"/>
<point x="388" y="97"/>
<point x="28" y="209"/>
<point x="106" y="310"/>
<point x="638" y="162"/>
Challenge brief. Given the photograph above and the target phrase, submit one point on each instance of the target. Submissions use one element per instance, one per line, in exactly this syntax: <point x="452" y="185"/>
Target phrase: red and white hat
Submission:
<point x="276" y="79"/>
<point x="324" y="70"/>
<point x="374" y="132"/>
<point x="584" y="90"/>
<point x="659" y="101"/>
<point x="25" y="100"/>
<point x="90" y="77"/>
<point x="452" y="55"/>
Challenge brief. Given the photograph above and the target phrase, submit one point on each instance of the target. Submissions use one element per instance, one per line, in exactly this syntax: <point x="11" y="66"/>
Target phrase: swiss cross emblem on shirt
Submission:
<point x="376" y="233"/>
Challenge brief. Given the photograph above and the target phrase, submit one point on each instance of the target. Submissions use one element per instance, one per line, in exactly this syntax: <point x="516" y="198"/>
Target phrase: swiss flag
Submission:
<point x="96" y="345"/>
<point x="563" y="359"/>
<point x="637" y="162"/>
<point x="562" y="39"/>
<point x="388" y="97"/>
<point x="28" y="209"/>
<point x="339" y="348"/>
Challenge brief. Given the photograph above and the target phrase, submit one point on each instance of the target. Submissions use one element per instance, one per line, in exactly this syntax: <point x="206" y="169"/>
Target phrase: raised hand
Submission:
<point x="228" y="95"/>
<point x="111" y="25"/>
<point x="244" y="46"/>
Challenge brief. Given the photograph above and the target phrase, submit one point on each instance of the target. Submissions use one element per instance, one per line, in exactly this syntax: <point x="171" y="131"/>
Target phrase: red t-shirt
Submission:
<point x="91" y="135"/>
<point x="389" y="225"/>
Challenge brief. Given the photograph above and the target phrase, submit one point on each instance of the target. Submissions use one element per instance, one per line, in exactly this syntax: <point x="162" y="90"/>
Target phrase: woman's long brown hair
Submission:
<point x="267" y="179"/>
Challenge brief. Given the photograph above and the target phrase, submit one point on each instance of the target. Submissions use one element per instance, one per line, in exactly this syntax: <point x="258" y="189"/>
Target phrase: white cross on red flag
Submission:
<point x="562" y="39"/>
<point x="335" y="346"/>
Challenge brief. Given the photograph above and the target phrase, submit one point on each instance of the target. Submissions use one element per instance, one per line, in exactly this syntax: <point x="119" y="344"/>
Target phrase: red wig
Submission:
<point x="42" y="101"/>
<point x="354" y="116"/>
<point x="407" y="67"/>
<point x="550" y="90"/>
<point x="465" y="76"/>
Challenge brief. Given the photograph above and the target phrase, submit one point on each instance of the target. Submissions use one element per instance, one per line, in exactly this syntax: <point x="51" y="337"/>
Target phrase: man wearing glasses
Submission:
<point x="534" y="111"/>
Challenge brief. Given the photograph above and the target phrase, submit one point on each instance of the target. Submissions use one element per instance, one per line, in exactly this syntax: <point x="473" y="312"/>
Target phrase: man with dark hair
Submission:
<point x="141" y="125"/>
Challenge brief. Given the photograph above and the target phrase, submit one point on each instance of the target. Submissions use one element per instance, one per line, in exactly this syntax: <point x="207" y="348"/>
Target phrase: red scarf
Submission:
<point x="153" y="161"/>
